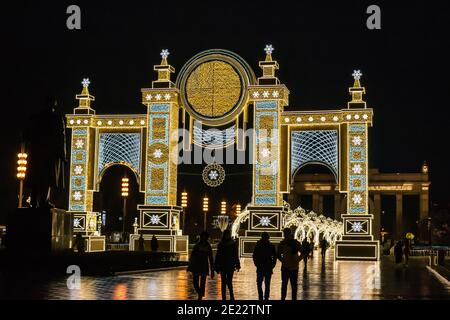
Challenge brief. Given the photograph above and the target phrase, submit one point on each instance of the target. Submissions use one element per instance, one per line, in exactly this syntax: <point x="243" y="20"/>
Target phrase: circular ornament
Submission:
<point x="213" y="175"/>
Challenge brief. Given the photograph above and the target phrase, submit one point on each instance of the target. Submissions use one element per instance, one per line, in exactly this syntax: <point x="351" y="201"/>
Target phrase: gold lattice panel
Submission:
<point x="213" y="89"/>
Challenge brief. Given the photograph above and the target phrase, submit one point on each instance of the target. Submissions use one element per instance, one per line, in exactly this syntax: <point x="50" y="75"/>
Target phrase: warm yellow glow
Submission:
<point x="21" y="165"/>
<point x="205" y="204"/>
<point x="223" y="207"/>
<point x="125" y="186"/>
<point x="184" y="199"/>
<point x="238" y="209"/>
<point x="403" y="187"/>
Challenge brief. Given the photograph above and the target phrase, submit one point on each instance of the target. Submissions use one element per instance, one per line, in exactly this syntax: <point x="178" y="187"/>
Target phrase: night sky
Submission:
<point x="317" y="44"/>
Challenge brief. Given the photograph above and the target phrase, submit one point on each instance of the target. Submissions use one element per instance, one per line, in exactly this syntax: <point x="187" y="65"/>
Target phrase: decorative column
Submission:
<point x="81" y="191"/>
<point x="266" y="211"/>
<point x="425" y="194"/>
<point x="357" y="242"/>
<point x="377" y="216"/>
<point x="160" y="215"/>
<point x="337" y="205"/>
<point x="399" y="216"/>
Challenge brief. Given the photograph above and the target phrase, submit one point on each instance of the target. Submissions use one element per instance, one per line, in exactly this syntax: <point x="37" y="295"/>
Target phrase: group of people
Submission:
<point x="290" y="252"/>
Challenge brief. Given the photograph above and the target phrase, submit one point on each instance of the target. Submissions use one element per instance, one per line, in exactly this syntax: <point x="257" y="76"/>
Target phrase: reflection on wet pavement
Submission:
<point x="329" y="280"/>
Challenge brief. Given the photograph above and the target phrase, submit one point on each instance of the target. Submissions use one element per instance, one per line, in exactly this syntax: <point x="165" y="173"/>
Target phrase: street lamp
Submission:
<point x="223" y="207"/>
<point x="184" y="204"/>
<point x="21" y="170"/>
<point x="205" y="211"/>
<point x="125" y="189"/>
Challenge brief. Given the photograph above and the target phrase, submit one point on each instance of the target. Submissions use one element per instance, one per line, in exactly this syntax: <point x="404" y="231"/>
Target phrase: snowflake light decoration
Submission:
<point x="275" y="94"/>
<point x="79" y="144"/>
<point x="78" y="170"/>
<point x="213" y="175"/>
<point x="167" y="96"/>
<point x="148" y="97"/>
<point x="158" y="97"/>
<point x="357" y="226"/>
<point x="357" y="74"/>
<point x="264" y="221"/>
<point x="357" y="141"/>
<point x="265" y="153"/>
<point x="85" y="82"/>
<point x="77" y="222"/>
<point x="357" y="199"/>
<point x="165" y="53"/>
<point x="357" y="169"/>
<point x="269" y="49"/>
<point x="77" y="196"/>
<point x="266" y="94"/>
<point x="154" y="219"/>
<point x="256" y="94"/>
<point x="157" y="154"/>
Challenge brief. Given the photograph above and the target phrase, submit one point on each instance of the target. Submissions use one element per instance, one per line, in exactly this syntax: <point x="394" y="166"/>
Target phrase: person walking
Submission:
<point x="154" y="244"/>
<point x="265" y="259"/>
<point x="407" y="251"/>
<point x="288" y="254"/>
<point x="305" y="248"/>
<point x="201" y="264"/>
<point x="311" y="248"/>
<point x="141" y="243"/>
<point x="226" y="262"/>
<point x="80" y="243"/>
<point x="398" y="252"/>
<point x="323" y="247"/>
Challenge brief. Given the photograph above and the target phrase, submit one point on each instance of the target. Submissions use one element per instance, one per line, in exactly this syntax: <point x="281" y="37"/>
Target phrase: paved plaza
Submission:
<point x="331" y="280"/>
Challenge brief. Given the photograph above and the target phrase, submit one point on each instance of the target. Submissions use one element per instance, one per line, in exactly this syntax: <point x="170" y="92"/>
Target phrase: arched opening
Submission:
<point x="314" y="187"/>
<point x="118" y="214"/>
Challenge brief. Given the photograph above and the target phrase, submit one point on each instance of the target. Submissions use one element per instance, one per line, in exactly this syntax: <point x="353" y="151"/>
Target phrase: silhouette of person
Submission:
<point x="288" y="254"/>
<point x="154" y="244"/>
<point x="141" y="243"/>
<point x="323" y="247"/>
<point x="80" y="243"/>
<point x="305" y="248"/>
<point x="406" y="251"/>
<point x="398" y="252"/>
<point x="265" y="259"/>
<point x="226" y="262"/>
<point x="201" y="264"/>
<point x="311" y="248"/>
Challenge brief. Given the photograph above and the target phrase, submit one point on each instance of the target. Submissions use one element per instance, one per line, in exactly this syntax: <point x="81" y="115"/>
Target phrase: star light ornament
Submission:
<point x="256" y="94"/>
<point x="357" y="169"/>
<point x="357" y="74"/>
<point x="157" y="154"/>
<point x="265" y="153"/>
<point x="357" y="199"/>
<point x="78" y="170"/>
<point x="76" y="222"/>
<point x="357" y="140"/>
<point x="148" y="97"/>
<point x="357" y="226"/>
<point x="213" y="175"/>
<point x="266" y="94"/>
<point x="77" y="196"/>
<point x="79" y="144"/>
<point x="154" y="219"/>
<point x="264" y="221"/>
<point x="165" y="53"/>
<point x="85" y="82"/>
<point x="269" y="49"/>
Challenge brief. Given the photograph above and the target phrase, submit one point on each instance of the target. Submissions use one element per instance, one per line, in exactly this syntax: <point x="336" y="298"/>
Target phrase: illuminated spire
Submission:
<point x="164" y="70"/>
<point x="268" y="67"/>
<point x="357" y="91"/>
<point x="84" y="99"/>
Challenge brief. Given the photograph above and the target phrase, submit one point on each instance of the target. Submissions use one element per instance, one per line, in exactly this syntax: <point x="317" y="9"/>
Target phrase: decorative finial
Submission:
<point x="357" y="74"/>
<point x="165" y="53"/>
<point x="269" y="49"/>
<point x="85" y="82"/>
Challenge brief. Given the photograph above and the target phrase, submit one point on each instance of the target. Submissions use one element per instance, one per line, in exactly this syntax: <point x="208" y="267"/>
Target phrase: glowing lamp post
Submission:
<point x="125" y="189"/>
<point x="223" y="219"/>
<point x="21" y="170"/>
<point x="223" y="207"/>
<point x="238" y="209"/>
<point x="184" y="204"/>
<point x="205" y="211"/>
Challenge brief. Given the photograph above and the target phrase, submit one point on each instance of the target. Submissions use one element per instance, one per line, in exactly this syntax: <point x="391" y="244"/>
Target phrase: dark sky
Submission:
<point x="317" y="44"/>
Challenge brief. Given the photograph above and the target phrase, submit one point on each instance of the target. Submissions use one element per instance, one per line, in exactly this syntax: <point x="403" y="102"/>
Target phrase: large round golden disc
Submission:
<point x="213" y="89"/>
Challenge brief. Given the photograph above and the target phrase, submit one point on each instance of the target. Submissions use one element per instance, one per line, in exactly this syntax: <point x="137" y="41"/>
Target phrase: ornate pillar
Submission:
<point x="399" y="216"/>
<point x="160" y="215"/>
<point x="337" y="206"/>
<point x="377" y="216"/>
<point x="266" y="211"/>
<point x="358" y="241"/>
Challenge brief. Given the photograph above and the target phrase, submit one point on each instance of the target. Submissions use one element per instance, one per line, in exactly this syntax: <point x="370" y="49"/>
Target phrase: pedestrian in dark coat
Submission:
<point x="154" y="244"/>
<point x="288" y="254"/>
<point x="227" y="261"/>
<point x="265" y="259"/>
<point x="305" y="250"/>
<point x="398" y="252"/>
<point x="201" y="263"/>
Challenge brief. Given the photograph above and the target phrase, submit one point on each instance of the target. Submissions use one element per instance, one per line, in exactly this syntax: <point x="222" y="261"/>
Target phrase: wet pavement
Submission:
<point x="329" y="280"/>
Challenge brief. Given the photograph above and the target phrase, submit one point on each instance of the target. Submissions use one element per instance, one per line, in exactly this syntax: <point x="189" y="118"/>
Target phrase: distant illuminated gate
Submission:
<point x="216" y="88"/>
